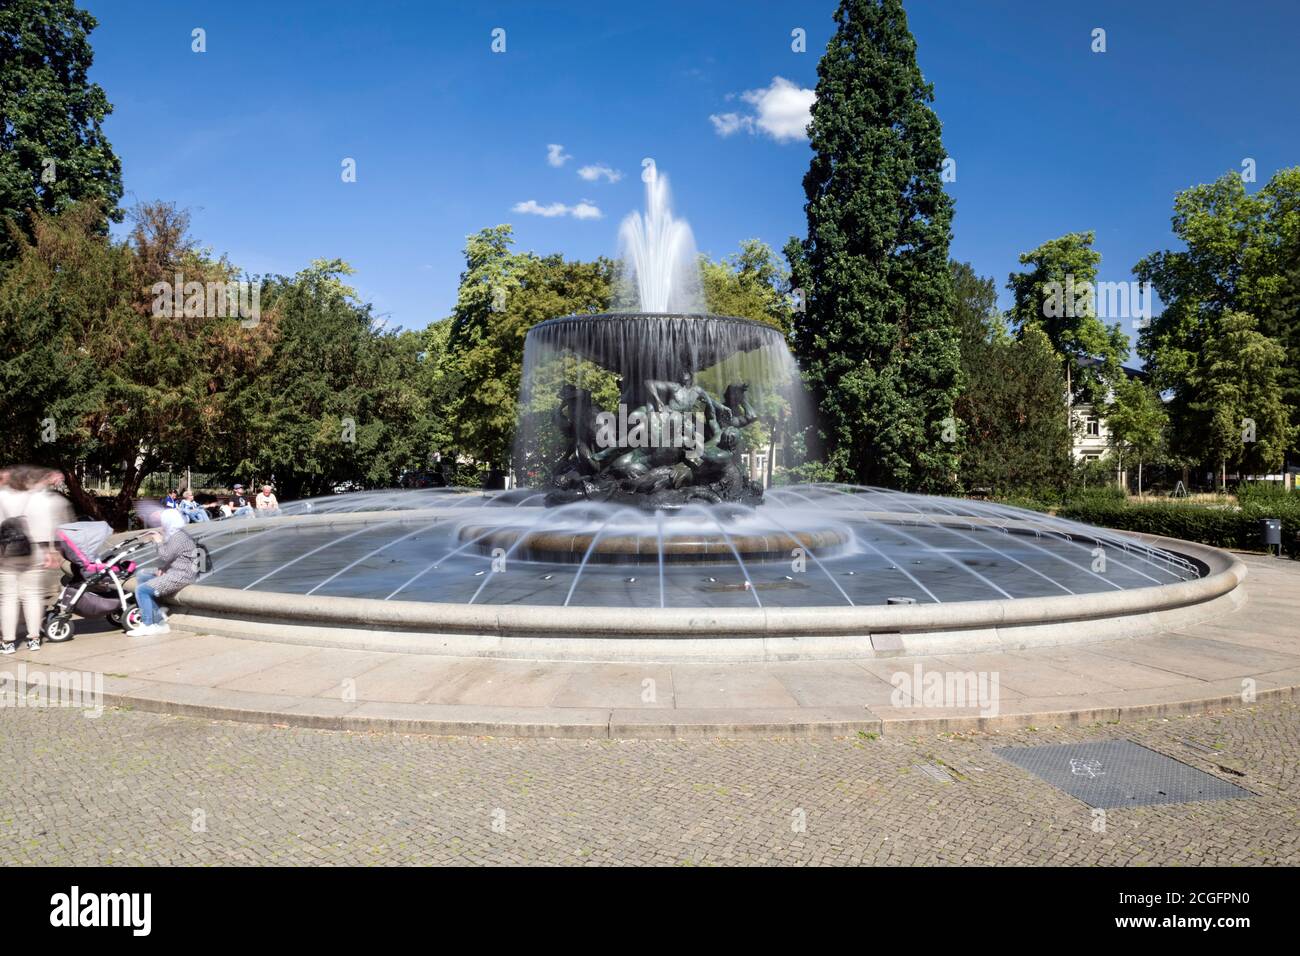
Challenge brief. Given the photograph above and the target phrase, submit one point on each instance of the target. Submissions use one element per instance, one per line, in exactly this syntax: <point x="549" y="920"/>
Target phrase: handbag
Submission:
<point x="15" y="535"/>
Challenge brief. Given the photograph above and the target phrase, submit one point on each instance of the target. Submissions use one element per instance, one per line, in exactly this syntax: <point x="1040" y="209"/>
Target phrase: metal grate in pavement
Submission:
<point x="1119" y="773"/>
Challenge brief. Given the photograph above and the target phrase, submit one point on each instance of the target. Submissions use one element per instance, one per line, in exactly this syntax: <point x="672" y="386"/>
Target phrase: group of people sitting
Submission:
<point x="264" y="504"/>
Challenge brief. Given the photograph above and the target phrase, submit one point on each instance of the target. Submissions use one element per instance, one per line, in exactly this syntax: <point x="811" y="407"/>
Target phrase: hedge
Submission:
<point x="1221" y="527"/>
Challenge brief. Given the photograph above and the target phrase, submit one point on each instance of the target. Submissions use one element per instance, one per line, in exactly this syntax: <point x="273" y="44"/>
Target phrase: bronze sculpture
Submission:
<point x="656" y="474"/>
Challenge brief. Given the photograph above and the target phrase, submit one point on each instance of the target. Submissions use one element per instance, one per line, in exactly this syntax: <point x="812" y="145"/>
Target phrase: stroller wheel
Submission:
<point x="115" y="618"/>
<point x="134" y="619"/>
<point x="58" y="629"/>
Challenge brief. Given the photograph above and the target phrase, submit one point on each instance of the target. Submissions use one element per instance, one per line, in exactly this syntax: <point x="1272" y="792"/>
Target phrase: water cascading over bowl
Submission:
<point x="718" y="398"/>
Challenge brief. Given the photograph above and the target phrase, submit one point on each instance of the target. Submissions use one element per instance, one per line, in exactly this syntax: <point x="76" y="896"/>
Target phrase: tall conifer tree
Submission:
<point x="877" y="340"/>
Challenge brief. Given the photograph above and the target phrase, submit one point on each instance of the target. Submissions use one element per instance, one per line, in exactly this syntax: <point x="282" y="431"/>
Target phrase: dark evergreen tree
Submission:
<point x="876" y="341"/>
<point x="52" y="148"/>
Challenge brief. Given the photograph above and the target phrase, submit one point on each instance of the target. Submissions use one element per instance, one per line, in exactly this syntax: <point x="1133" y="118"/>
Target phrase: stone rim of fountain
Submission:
<point x="563" y="546"/>
<point x="677" y="633"/>
<point x="586" y="319"/>
<point x="638" y="314"/>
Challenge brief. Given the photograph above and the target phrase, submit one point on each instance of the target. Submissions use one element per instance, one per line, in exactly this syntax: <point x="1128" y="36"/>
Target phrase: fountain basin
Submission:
<point x="354" y="588"/>
<point x="572" y="547"/>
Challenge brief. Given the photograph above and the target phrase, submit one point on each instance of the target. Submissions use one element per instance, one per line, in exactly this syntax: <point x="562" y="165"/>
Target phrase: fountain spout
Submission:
<point x="659" y="260"/>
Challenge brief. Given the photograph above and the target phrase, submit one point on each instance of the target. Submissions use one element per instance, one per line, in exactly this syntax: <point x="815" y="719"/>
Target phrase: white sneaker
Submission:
<point x="144" y="630"/>
<point x="162" y="628"/>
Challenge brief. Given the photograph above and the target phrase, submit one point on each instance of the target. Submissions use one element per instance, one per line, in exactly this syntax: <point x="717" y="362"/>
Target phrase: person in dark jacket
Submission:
<point x="177" y="566"/>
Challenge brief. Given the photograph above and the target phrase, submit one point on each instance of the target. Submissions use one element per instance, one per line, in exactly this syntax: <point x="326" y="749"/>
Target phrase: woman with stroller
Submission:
<point x="30" y="513"/>
<point x="178" y="560"/>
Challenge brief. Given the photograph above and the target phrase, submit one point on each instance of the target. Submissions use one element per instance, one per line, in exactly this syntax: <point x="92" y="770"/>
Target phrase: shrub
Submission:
<point x="1221" y="527"/>
<point x="805" y="472"/>
<point x="1096" y="495"/>
<point x="1266" y="493"/>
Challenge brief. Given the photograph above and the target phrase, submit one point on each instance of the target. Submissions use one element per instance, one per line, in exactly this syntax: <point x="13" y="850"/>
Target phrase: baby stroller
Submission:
<point x="95" y="588"/>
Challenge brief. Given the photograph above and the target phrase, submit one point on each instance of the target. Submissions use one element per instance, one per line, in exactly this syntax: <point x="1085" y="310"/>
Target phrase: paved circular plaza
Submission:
<point x="763" y="763"/>
<point x="1243" y="647"/>
<point x="139" y="788"/>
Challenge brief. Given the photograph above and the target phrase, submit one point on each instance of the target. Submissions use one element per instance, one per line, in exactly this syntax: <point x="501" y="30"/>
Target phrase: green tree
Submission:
<point x="338" y="400"/>
<point x="1056" y="295"/>
<point x="1014" y="439"/>
<point x="502" y="295"/>
<point x="1137" y="421"/>
<point x="1242" y="253"/>
<point x="91" y="373"/>
<point x="53" y="151"/>
<point x="876" y="341"/>
<point x="753" y="284"/>
<point x="1238" y="399"/>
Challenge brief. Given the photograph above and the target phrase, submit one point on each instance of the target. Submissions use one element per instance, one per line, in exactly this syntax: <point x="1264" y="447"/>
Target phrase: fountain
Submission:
<point x="658" y="411"/>
<point x="648" y="407"/>
<point x="644" y="528"/>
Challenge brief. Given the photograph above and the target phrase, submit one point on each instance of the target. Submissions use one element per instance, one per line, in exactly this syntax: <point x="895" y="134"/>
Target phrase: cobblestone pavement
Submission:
<point x="138" y="788"/>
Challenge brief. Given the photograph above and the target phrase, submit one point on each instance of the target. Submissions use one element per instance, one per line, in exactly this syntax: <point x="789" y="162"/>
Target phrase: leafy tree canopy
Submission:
<point x="1242" y="254"/>
<point x="53" y="151"/>
<point x="1014" y="437"/>
<point x="753" y="284"/>
<point x="1237" y="404"/>
<point x="1056" y="295"/>
<point x="502" y="295"/>
<point x="1137" y="421"/>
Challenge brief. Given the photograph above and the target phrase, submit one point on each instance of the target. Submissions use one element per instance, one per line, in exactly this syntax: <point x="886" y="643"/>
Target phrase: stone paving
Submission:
<point x="142" y="788"/>
<point x="1248" y="654"/>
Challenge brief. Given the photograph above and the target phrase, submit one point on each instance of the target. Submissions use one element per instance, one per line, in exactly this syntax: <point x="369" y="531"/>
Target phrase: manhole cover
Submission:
<point x="931" y="770"/>
<point x="1119" y="773"/>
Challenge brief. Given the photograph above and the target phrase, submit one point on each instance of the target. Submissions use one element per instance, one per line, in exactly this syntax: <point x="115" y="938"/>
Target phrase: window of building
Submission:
<point x="1093" y="427"/>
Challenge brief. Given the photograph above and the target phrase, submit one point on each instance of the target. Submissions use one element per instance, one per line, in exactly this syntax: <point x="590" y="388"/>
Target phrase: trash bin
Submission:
<point x="1272" y="531"/>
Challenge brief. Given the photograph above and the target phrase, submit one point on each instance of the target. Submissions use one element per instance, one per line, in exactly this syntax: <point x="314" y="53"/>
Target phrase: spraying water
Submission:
<point x="863" y="546"/>
<point x="658" y="250"/>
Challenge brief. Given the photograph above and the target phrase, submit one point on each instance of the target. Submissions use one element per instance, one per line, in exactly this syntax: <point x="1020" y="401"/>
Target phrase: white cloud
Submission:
<point x="782" y="110"/>
<point x="597" y="170"/>
<point x="583" y="210"/>
<point x="555" y="154"/>
<point x="533" y="208"/>
<point x="724" y="124"/>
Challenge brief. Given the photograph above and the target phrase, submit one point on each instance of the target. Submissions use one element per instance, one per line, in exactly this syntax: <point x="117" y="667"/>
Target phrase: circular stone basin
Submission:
<point x="873" y="572"/>
<point x="578" y="545"/>
<point x="804" y="547"/>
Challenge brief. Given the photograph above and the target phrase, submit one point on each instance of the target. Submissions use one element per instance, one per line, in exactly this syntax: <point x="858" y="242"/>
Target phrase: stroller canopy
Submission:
<point x="81" y="541"/>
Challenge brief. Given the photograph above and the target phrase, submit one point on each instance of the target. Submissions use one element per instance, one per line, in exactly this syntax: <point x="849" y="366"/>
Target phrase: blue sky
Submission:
<point x="449" y="137"/>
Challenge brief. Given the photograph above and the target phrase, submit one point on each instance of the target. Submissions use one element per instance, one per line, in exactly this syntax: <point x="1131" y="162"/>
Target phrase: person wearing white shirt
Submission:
<point x="266" y="502"/>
